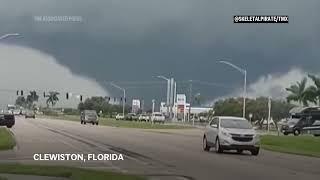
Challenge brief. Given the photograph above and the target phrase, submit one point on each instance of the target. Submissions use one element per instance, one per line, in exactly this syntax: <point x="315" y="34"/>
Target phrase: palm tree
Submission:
<point x="32" y="97"/>
<point x="52" y="98"/>
<point x="21" y="101"/>
<point x="299" y="93"/>
<point x="314" y="90"/>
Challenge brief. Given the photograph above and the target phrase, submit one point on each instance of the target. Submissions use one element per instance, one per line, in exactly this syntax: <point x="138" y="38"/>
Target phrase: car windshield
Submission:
<point x="235" y="123"/>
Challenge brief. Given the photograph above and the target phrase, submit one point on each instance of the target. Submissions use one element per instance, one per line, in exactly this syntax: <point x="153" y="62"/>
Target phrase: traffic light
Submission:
<point x="67" y="95"/>
<point x="125" y="99"/>
<point x="81" y="98"/>
<point x="17" y="93"/>
<point x="121" y="99"/>
<point x="109" y="98"/>
<point x="21" y="92"/>
<point x="44" y="94"/>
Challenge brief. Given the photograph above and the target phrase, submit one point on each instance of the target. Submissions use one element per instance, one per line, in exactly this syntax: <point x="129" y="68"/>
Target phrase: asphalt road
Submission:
<point x="152" y="152"/>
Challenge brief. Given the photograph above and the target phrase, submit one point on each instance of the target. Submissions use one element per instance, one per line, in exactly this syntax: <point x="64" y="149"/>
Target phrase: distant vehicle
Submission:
<point x="30" y="114"/>
<point x="157" y="117"/>
<point x="144" y="117"/>
<point x="89" y="116"/>
<point x="135" y="117"/>
<point x="303" y="119"/>
<point x="17" y="112"/>
<point x="231" y="133"/>
<point x="11" y="108"/>
<point x="203" y="119"/>
<point x="7" y="119"/>
<point x="119" y="117"/>
<point x="131" y="116"/>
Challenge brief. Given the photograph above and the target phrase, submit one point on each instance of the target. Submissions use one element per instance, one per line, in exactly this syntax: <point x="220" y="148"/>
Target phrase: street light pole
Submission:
<point x="244" y="94"/>
<point x="8" y="35"/>
<point x="168" y="92"/>
<point x="124" y="96"/>
<point x="244" y="72"/>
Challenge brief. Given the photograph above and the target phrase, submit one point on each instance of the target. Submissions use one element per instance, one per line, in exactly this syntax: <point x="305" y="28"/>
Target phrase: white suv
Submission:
<point x="231" y="133"/>
<point x="158" y="117"/>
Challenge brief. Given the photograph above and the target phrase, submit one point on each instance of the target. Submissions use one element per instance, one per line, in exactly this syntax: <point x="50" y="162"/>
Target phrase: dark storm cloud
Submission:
<point x="123" y="40"/>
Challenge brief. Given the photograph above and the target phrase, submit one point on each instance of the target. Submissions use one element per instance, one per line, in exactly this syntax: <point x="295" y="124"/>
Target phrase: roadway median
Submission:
<point x="301" y="145"/>
<point x="7" y="140"/>
<point x="120" y="123"/>
<point x="71" y="173"/>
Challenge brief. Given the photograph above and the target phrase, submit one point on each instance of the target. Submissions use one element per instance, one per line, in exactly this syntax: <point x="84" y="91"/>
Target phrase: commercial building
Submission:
<point x="180" y="109"/>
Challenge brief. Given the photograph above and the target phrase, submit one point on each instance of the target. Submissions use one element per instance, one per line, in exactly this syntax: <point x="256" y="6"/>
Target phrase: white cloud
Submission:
<point x="28" y="69"/>
<point x="272" y="85"/>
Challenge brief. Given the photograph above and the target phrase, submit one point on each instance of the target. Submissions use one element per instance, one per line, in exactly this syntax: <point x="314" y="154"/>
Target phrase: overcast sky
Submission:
<point x="133" y="40"/>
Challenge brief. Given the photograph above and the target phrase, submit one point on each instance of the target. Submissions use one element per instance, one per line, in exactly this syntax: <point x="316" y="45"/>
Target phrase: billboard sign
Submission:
<point x="136" y="105"/>
<point x="181" y="99"/>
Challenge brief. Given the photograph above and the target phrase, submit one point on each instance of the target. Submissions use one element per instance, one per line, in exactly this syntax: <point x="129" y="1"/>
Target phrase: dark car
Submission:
<point x="89" y="116"/>
<point x="131" y="116"/>
<point x="7" y="119"/>
<point x="30" y="114"/>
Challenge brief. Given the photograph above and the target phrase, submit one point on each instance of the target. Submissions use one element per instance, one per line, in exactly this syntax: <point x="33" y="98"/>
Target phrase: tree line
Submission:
<point x="101" y="104"/>
<point x="32" y="97"/>
<point x="94" y="103"/>
<point x="258" y="107"/>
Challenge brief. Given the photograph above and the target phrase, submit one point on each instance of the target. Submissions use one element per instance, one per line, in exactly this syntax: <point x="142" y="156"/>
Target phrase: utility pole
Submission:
<point x="142" y="106"/>
<point x="174" y="101"/>
<point x="171" y="96"/>
<point x="269" y="113"/>
<point x="190" y="99"/>
<point x="153" y="101"/>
